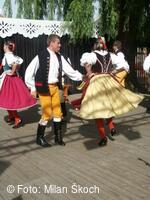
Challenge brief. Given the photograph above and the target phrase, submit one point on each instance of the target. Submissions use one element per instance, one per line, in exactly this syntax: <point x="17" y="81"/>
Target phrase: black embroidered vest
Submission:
<point x="41" y="77"/>
<point x="103" y="64"/>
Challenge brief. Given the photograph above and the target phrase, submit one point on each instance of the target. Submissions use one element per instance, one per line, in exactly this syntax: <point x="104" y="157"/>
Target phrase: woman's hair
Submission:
<point x="118" y="44"/>
<point x="94" y="44"/>
<point x="10" y="44"/>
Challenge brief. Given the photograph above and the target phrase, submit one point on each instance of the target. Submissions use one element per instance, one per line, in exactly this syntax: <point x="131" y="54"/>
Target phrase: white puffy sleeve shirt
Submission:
<point x="53" y="71"/>
<point x="91" y="58"/>
<point x="121" y="57"/>
<point x="146" y="64"/>
<point x="10" y="58"/>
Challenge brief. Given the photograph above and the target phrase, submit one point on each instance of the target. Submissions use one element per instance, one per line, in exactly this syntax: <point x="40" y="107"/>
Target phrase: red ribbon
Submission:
<point x="101" y="41"/>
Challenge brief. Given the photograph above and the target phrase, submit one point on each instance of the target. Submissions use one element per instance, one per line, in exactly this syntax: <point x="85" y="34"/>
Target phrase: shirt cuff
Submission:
<point x="33" y="89"/>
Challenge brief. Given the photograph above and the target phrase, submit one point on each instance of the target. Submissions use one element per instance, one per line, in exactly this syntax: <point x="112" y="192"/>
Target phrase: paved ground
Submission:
<point x="80" y="170"/>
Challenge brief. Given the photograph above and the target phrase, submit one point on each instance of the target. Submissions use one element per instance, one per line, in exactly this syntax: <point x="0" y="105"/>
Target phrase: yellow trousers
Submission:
<point x="120" y="76"/>
<point x="50" y="104"/>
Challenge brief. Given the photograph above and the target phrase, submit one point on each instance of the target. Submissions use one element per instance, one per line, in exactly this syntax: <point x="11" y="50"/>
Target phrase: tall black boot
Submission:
<point x="63" y="109"/>
<point x="40" y="140"/>
<point x="58" y="134"/>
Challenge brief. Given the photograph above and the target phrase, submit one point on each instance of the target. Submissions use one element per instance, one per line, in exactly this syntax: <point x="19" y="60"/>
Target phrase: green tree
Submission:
<point x="108" y="21"/>
<point x="36" y="9"/>
<point x="7" y="8"/>
<point x="80" y="17"/>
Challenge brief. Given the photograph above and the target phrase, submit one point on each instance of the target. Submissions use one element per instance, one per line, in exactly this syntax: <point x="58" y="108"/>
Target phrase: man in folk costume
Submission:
<point x="104" y="98"/>
<point x="121" y="72"/>
<point x="44" y="76"/>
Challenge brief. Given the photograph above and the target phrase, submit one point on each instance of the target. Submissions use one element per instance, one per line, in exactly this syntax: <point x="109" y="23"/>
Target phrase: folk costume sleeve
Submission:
<point x="70" y="72"/>
<point x="89" y="58"/>
<point x="119" y="62"/>
<point x="30" y="73"/>
<point x="146" y="65"/>
<point x="121" y="55"/>
<point x="10" y="58"/>
<point x="18" y="60"/>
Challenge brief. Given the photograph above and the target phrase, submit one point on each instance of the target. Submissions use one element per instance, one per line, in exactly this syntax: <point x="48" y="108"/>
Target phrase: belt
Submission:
<point x="53" y="84"/>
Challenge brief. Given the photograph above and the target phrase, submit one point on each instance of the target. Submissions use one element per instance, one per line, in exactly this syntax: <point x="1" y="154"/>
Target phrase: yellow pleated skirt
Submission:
<point x="120" y="76"/>
<point x="106" y="98"/>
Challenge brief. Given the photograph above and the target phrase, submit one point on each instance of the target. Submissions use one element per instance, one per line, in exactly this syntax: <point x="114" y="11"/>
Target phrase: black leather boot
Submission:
<point x="40" y="140"/>
<point x="63" y="109"/>
<point x="58" y="134"/>
<point x="103" y="142"/>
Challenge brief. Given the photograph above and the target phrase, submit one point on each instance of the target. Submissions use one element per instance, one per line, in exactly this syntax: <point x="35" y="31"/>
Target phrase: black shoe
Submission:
<point x="110" y="137"/>
<point x="40" y="140"/>
<point x="59" y="142"/>
<point x="58" y="134"/>
<point x="113" y="132"/>
<point x="103" y="142"/>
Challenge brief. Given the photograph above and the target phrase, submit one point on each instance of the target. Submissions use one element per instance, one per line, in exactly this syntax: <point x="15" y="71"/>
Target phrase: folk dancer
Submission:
<point x="44" y="76"/>
<point x="14" y="95"/>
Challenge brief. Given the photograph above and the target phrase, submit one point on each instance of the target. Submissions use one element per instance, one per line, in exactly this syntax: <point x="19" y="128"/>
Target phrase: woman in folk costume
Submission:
<point x="104" y="98"/>
<point x="14" y="95"/>
<point x="121" y="72"/>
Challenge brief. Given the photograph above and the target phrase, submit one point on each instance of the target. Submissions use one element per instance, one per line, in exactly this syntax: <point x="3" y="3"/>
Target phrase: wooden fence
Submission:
<point x="139" y="60"/>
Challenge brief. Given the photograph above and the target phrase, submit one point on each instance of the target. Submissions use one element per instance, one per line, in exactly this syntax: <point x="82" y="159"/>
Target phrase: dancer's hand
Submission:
<point x="10" y="73"/>
<point x="114" y="71"/>
<point x="84" y="78"/>
<point x="34" y="94"/>
<point x="91" y="75"/>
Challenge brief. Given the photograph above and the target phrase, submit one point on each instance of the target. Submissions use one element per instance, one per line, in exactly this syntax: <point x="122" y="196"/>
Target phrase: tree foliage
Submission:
<point x="108" y="20"/>
<point x="80" y="17"/>
<point x="7" y="8"/>
<point x="125" y="16"/>
<point x="36" y="9"/>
